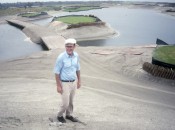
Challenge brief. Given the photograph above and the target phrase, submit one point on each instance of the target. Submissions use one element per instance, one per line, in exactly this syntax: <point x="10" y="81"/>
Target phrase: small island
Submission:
<point x="76" y="19"/>
<point x="82" y="27"/>
<point x="80" y="8"/>
<point x="32" y="14"/>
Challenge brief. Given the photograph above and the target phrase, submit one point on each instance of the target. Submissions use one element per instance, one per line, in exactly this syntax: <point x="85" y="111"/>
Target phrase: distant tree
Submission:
<point x="29" y="4"/>
<point x="40" y="4"/>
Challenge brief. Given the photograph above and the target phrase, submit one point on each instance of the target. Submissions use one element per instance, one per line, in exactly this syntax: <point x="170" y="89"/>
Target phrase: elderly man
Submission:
<point x="67" y="75"/>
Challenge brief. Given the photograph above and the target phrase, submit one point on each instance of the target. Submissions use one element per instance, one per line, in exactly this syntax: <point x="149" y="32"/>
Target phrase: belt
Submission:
<point x="67" y="80"/>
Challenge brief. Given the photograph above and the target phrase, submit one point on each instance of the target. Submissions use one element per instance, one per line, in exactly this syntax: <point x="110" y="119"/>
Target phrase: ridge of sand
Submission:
<point x="110" y="75"/>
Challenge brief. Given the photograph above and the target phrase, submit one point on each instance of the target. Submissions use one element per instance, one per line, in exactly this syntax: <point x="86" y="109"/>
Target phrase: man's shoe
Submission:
<point x="61" y="119"/>
<point x="73" y="119"/>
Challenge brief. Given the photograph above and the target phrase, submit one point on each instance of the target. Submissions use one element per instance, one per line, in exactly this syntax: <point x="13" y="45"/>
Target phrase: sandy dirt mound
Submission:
<point x="85" y="32"/>
<point x="57" y="26"/>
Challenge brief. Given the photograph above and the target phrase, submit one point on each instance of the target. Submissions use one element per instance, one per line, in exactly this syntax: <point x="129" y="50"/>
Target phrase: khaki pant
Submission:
<point x="67" y="97"/>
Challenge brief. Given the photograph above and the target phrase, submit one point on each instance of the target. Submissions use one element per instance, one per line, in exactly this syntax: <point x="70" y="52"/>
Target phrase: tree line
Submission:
<point x="40" y="4"/>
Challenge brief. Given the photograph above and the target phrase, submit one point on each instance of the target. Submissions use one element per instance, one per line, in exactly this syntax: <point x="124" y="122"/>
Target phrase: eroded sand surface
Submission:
<point x="116" y="93"/>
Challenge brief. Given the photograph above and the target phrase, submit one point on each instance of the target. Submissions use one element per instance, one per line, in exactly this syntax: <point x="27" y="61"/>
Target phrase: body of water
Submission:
<point x="14" y="43"/>
<point x="135" y="27"/>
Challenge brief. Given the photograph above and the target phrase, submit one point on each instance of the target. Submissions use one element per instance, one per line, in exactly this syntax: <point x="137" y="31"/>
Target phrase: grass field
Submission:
<point x="30" y="14"/>
<point x="80" y="8"/>
<point x="165" y="54"/>
<point x="76" y="19"/>
<point x="14" y="11"/>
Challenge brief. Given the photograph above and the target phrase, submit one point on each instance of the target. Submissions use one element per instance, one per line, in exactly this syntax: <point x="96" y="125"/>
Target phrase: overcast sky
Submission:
<point x="12" y="1"/>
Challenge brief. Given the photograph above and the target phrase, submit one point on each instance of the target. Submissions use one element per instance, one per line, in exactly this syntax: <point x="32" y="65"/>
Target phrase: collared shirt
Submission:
<point x="66" y="66"/>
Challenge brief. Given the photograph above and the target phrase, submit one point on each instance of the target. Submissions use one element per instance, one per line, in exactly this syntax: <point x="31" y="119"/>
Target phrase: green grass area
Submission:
<point x="165" y="54"/>
<point x="80" y="8"/>
<point x="30" y="14"/>
<point x="76" y="19"/>
<point x="14" y="11"/>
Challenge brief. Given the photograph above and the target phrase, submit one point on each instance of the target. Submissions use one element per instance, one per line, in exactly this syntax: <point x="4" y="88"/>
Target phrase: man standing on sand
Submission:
<point x="67" y="75"/>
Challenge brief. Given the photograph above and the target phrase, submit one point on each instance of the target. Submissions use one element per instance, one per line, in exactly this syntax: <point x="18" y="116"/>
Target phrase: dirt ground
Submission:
<point x="115" y="92"/>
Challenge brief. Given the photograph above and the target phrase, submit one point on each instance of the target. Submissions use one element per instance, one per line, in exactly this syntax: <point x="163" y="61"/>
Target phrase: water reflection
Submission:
<point x="14" y="43"/>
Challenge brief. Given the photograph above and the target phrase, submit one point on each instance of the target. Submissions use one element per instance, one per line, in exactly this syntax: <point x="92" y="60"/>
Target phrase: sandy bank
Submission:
<point x="126" y="61"/>
<point x="109" y="74"/>
<point x="83" y="33"/>
<point x="29" y="98"/>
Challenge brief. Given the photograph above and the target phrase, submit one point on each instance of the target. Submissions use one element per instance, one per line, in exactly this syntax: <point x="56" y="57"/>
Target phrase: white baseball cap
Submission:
<point x="70" y="41"/>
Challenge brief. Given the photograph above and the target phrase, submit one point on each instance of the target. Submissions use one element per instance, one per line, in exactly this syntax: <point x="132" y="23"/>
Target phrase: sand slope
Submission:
<point x="85" y="32"/>
<point x="115" y="92"/>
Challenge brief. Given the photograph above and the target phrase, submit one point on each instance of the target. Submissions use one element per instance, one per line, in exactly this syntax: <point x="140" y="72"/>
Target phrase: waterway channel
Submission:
<point x="135" y="27"/>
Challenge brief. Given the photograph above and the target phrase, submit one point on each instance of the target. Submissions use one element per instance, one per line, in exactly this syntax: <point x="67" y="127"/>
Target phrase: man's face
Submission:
<point x="70" y="48"/>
